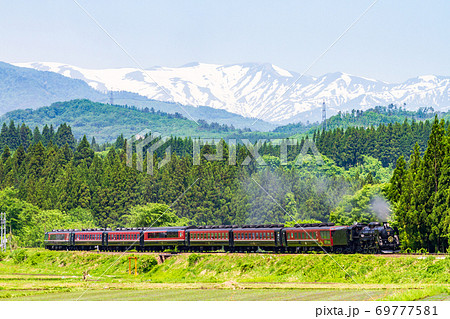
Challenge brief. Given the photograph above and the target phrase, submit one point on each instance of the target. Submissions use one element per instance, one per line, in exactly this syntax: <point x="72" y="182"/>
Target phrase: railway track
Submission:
<point x="259" y="253"/>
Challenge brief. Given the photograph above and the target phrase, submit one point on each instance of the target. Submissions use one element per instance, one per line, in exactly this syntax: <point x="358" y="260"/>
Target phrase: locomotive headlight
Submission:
<point x="390" y="239"/>
<point x="362" y="235"/>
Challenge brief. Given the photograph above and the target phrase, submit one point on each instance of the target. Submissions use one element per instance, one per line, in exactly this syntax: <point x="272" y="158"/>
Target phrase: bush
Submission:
<point x="2" y="256"/>
<point x="19" y="255"/>
<point x="148" y="264"/>
<point x="193" y="259"/>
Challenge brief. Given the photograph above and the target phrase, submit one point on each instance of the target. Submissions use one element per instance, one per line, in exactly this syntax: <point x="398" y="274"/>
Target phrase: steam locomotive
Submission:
<point x="369" y="238"/>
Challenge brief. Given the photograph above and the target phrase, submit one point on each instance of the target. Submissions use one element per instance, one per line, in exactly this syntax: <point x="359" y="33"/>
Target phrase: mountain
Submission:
<point x="22" y="88"/>
<point x="261" y="90"/>
<point x="27" y="88"/>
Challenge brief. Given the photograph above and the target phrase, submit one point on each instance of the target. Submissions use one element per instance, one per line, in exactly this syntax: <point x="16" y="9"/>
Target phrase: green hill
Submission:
<point x="105" y="122"/>
<point x="376" y="116"/>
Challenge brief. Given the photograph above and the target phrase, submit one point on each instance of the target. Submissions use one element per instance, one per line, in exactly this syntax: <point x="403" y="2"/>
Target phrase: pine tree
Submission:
<point x="4" y="136"/>
<point x="13" y="138"/>
<point x="6" y="154"/>
<point x="395" y="187"/>
<point x="83" y="153"/>
<point x="26" y="136"/>
<point x="64" y="136"/>
<point x="37" y="137"/>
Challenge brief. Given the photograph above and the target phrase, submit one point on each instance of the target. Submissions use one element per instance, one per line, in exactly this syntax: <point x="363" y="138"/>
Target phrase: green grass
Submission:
<point x="47" y="275"/>
<point x="216" y="268"/>
<point x="208" y="294"/>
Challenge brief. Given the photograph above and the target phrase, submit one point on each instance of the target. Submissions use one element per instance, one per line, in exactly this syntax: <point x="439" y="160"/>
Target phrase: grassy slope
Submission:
<point x="392" y="278"/>
<point x="216" y="268"/>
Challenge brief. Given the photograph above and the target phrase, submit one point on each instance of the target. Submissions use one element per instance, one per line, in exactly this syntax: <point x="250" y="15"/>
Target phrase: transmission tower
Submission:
<point x="324" y="116"/>
<point x="111" y="98"/>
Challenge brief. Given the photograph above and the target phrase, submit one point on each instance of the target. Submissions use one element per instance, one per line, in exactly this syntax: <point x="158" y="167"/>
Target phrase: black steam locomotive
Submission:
<point x="369" y="238"/>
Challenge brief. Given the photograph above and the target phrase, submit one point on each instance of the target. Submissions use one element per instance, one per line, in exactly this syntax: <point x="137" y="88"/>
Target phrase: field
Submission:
<point x="34" y="274"/>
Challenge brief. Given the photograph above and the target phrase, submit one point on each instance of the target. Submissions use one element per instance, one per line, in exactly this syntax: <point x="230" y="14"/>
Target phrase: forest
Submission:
<point x="50" y="179"/>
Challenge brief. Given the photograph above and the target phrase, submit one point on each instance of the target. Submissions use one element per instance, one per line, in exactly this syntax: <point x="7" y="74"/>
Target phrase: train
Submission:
<point x="371" y="238"/>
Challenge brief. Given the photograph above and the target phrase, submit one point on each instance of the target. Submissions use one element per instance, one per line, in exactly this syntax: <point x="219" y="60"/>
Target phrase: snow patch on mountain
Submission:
<point x="258" y="90"/>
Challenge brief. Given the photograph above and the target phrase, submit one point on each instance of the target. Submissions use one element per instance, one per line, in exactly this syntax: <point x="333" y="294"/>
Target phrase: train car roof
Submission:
<point x="258" y="228"/>
<point x="317" y="228"/>
<point x="167" y="228"/>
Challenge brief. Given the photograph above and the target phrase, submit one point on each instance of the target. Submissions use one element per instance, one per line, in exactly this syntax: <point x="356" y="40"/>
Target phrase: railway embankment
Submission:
<point x="223" y="267"/>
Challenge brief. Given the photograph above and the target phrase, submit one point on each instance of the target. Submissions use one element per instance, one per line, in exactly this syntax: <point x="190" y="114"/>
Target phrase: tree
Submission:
<point x="395" y="188"/>
<point x="83" y="153"/>
<point x="150" y="215"/>
<point x="64" y="136"/>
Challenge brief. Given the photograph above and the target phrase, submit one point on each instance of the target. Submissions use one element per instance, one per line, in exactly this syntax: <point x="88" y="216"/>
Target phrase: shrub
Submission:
<point x="2" y="256"/>
<point x="148" y="264"/>
<point x="19" y="255"/>
<point x="193" y="259"/>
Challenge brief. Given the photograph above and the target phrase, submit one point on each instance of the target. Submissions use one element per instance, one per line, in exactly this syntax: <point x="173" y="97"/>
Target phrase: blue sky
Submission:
<point x="394" y="41"/>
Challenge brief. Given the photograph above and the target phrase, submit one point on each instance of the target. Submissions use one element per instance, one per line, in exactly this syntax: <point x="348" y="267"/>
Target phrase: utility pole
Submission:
<point x="3" y="232"/>
<point x="324" y="116"/>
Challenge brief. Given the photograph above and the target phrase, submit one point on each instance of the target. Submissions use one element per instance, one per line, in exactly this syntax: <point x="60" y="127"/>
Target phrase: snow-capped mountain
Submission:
<point x="262" y="91"/>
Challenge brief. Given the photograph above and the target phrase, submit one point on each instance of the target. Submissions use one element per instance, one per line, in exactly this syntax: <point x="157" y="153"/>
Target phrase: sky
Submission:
<point x="393" y="41"/>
